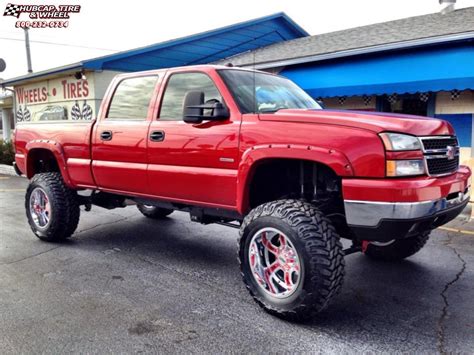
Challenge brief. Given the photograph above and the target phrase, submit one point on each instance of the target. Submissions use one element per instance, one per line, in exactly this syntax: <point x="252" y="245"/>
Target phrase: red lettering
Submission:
<point x="35" y="95"/>
<point x="79" y="89"/>
<point x="19" y="94"/>
<point x="85" y="88"/>
<point x="72" y="88"/>
<point x="65" y="89"/>
<point x="44" y="94"/>
<point x="75" y="90"/>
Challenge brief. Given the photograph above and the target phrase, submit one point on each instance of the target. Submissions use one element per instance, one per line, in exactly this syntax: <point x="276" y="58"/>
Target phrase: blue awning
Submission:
<point x="201" y="48"/>
<point x="420" y="70"/>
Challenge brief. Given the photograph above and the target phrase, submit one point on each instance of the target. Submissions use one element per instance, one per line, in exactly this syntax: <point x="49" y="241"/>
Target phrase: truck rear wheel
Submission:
<point x="397" y="249"/>
<point x="154" y="212"/>
<point x="291" y="258"/>
<point x="51" y="207"/>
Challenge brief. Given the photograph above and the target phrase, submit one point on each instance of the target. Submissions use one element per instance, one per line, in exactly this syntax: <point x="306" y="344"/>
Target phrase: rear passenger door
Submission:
<point x="119" y="141"/>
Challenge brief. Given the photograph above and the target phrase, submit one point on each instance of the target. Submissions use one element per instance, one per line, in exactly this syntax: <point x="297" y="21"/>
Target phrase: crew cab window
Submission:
<point x="132" y="98"/>
<point x="259" y="92"/>
<point x="178" y="85"/>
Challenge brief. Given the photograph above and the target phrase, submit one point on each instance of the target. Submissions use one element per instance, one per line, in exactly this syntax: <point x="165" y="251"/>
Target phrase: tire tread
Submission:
<point x="65" y="206"/>
<point x="320" y="241"/>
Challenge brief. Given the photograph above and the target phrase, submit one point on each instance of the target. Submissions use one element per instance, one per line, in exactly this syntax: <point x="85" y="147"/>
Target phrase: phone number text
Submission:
<point x="42" y="24"/>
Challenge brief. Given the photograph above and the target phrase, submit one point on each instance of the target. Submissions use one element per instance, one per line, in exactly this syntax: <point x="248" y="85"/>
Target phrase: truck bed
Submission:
<point x="70" y="142"/>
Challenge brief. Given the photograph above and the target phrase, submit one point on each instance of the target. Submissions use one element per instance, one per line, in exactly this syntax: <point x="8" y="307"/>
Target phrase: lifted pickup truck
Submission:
<point x="251" y="150"/>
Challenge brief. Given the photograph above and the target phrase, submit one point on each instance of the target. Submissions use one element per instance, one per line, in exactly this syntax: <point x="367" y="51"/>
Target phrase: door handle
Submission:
<point x="157" y="136"/>
<point x="106" y="135"/>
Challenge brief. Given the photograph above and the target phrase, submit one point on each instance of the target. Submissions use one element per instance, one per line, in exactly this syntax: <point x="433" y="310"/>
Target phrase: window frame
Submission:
<point x="165" y="87"/>
<point x="117" y="85"/>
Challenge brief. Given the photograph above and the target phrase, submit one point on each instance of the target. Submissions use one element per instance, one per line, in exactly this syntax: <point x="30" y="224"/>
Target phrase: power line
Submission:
<point x="60" y="44"/>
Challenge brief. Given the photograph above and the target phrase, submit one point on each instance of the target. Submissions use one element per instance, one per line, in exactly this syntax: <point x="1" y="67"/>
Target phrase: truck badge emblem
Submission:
<point x="450" y="152"/>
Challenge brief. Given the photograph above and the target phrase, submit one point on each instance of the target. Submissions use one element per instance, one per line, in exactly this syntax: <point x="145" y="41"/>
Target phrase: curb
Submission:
<point x="7" y="170"/>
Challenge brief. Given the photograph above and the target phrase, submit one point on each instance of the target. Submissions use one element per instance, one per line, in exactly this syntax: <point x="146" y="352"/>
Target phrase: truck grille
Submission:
<point x="441" y="154"/>
<point x="442" y="166"/>
<point x="439" y="143"/>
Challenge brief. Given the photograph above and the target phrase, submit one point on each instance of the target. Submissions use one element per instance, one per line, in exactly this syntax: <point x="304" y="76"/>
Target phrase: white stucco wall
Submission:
<point x="463" y="104"/>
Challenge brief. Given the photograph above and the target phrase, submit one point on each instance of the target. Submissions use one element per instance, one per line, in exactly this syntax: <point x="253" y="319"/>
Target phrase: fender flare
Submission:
<point x="251" y="158"/>
<point x="58" y="154"/>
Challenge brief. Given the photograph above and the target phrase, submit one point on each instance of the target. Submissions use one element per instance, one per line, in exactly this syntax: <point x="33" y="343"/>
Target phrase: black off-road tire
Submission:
<point x="154" y="212"/>
<point x="398" y="249"/>
<point x="65" y="210"/>
<point x="319" y="251"/>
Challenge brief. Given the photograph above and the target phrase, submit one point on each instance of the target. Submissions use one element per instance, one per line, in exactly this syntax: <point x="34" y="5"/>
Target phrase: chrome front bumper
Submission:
<point x="371" y="213"/>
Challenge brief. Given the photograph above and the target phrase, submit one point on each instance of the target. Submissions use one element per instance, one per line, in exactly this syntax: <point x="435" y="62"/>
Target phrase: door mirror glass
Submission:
<point x="192" y="110"/>
<point x="195" y="110"/>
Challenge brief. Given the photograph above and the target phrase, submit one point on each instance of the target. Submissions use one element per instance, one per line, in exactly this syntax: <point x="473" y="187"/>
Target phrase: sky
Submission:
<point x="105" y="27"/>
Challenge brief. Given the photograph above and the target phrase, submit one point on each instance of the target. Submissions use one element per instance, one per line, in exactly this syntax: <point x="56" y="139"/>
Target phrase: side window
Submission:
<point x="178" y="85"/>
<point x="132" y="98"/>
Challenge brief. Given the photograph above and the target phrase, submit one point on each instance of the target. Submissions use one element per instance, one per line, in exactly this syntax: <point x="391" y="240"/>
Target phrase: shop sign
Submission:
<point x="55" y="100"/>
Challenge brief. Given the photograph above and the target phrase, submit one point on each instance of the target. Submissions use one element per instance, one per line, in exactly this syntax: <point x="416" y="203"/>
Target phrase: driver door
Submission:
<point x="192" y="163"/>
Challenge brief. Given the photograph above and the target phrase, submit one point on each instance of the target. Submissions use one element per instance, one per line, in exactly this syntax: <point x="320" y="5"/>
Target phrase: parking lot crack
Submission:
<point x="30" y="256"/>
<point x="444" y="312"/>
<point x="103" y="224"/>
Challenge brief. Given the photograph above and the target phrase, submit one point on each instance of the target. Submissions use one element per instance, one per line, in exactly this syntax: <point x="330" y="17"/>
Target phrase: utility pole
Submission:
<point x="28" y="54"/>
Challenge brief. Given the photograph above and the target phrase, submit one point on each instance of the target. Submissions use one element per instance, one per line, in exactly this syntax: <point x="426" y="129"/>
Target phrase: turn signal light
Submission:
<point x="405" y="167"/>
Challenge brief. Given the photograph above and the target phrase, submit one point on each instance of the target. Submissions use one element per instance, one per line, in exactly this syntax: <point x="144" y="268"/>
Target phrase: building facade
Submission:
<point x="74" y="92"/>
<point x="422" y="66"/>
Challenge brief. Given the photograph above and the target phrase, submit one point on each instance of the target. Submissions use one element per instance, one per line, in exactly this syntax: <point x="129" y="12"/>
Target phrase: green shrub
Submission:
<point x="7" y="155"/>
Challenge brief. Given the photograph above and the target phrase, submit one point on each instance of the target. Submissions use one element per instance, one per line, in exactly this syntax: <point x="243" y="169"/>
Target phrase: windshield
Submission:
<point x="265" y="93"/>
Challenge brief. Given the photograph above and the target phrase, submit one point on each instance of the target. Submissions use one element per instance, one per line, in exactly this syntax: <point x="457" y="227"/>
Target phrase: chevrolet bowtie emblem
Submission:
<point x="451" y="152"/>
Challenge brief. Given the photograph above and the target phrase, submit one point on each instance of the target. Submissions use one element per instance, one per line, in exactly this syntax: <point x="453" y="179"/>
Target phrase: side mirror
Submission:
<point x="192" y="112"/>
<point x="194" y="107"/>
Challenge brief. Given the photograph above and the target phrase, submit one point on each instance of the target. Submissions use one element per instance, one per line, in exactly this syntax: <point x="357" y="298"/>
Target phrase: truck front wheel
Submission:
<point x="397" y="249"/>
<point x="154" y="212"/>
<point x="291" y="258"/>
<point x="51" y="207"/>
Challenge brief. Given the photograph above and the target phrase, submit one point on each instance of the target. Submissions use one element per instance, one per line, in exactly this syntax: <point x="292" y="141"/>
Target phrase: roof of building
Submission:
<point x="417" y="30"/>
<point x="199" y="48"/>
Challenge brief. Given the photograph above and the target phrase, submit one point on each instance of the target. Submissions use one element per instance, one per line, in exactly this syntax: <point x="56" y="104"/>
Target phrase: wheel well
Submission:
<point x="314" y="182"/>
<point x="41" y="161"/>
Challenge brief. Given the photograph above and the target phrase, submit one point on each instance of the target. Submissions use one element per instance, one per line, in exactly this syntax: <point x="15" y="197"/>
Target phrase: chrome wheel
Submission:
<point x="274" y="262"/>
<point x="40" y="208"/>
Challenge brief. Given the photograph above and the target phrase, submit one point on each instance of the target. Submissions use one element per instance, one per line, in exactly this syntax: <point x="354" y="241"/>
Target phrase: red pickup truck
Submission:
<point x="251" y="150"/>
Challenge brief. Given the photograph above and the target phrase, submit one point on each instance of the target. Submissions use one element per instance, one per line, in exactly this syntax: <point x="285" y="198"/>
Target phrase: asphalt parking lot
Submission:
<point x="125" y="283"/>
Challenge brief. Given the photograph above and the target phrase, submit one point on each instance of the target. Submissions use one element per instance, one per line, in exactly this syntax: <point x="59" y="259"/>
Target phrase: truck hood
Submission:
<point x="372" y="121"/>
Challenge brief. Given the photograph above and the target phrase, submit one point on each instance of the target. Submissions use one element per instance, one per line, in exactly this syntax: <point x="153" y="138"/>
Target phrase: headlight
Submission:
<point x="405" y="167"/>
<point x="398" y="141"/>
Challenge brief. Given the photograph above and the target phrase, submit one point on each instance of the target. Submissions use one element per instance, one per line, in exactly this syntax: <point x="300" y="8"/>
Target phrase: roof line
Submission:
<point x="364" y="50"/>
<point x="9" y="82"/>
<point x="199" y="35"/>
<point x="98" y="62"/>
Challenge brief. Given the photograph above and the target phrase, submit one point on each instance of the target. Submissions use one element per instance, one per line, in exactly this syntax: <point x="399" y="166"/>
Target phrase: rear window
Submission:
<point x="132" y="98"/>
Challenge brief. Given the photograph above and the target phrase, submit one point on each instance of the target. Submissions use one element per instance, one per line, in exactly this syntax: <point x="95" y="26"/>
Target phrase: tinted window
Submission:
<point x="265" y="93"/>
<point x="178" y="86"/>
<point x="132" y="98"/>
